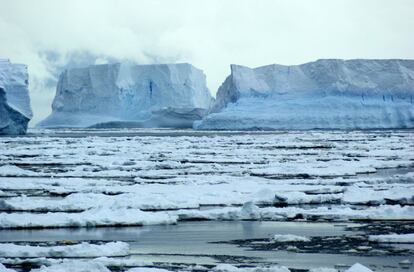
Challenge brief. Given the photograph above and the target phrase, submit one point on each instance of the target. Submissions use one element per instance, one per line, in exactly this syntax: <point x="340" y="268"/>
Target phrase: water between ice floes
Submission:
<point x="190" y="242"/>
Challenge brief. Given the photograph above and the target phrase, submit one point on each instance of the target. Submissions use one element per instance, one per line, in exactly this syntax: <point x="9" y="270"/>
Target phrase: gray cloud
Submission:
<point x="50" y="35"/>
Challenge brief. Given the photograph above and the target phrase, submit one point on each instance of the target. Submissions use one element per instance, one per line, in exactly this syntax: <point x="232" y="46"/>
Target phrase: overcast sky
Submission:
<point x="48" y="34"/>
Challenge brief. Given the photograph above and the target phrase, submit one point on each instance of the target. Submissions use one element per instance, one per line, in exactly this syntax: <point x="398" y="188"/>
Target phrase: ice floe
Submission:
<point x="289" y="238"/>
<point x="393" y="238"/>
<point x="93" y="217"/>
<point x="5" y="269"/>
<point x="358" y="268"/>
<point x="74" y="266"/>
<point x="68" y="251"/>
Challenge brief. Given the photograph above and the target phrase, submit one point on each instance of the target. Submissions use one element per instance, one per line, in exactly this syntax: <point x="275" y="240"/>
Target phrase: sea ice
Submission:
<point x="14" y="171"/>
<point x="393" y="238"/>
<point x="5" y="269"/>
<point x="358" y="268"/>
<point x="323" y="269"/>
<point x="74" y="266"/>
<point x="67" y="251"/>
<point x="138" y="180"/>
<point x="289" y="238"/>
<point x="105" y="216"/>
<point x="231" y="268"/>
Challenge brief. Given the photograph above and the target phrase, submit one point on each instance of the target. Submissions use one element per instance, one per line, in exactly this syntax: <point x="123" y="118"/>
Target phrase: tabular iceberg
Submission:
<point x="330" y="93"/>
<point x="15" y="110"/>
<point x="130" y="95"/>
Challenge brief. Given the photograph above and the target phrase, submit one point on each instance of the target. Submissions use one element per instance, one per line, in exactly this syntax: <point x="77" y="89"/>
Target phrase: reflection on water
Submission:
<point x="189" y="242"/>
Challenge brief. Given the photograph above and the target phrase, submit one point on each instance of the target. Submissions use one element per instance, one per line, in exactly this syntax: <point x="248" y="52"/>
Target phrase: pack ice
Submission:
<point x="15" y="111"/>
<point x="329" y="93"/>
<point x="130" y="95"/>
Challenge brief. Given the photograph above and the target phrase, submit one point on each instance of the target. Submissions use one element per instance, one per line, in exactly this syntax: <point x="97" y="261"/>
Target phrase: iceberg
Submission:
<point x="325" y="94"/>
<point x="130" y="95"/>
<point x="15" y="110"/>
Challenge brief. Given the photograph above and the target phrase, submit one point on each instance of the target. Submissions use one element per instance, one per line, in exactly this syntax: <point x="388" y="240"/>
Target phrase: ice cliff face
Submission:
<point x="15" y="111"/>
<point x="331" y="93"/>
<point x="116" y="95"/>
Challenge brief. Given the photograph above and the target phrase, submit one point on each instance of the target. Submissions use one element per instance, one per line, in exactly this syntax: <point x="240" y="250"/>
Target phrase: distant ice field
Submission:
<point x="79" y="178"/>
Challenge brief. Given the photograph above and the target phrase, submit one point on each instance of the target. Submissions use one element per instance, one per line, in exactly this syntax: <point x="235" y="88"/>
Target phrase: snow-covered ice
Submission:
<point x="74" y="266"/>
<point x="323" y="269"/>
<point x="393" y="238"/>
<point x="338" y="213"/>
<point x="125" y="94"/>
<point x="97" y="266"/>
<point x="147" y="269"/>
<point x="163" y="177"/>
<point x="104" y="216"/>
<point x="327" y="93"/>
<point x="93" y="266"/>
<point x="358" y="268"/>
<point x="82" y="250"/>
<point x="140" y="180"/>
<point x="231" y="268"/>
<point x="15" y="110"/>
<point x="289" y="238"/>
<point x="5" y="269"/>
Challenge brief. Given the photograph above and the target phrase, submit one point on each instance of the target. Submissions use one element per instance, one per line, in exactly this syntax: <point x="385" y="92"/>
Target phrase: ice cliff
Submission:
<point x="125" y="94"/>
<point x="15" y="111"/>
<point x="329" y="93"/>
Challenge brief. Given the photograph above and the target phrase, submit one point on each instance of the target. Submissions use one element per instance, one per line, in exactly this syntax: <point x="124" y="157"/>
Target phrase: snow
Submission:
<point x="15" y="110"/>
<point x="289" y="238"/>
<point x="393" y="238"/>
<point x="68" y="251"/>
<point x="358" y="268"/>
<point x="327" y="93"/>
<point x="125" y="94"/>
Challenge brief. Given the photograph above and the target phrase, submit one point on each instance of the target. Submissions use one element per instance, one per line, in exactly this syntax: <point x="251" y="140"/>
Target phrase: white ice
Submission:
<point x="289" y="238"/>
<point x="358" y="268"/>
<point x="393" y="238"/>
<point x="15" y="110"/>
<point x="96" y="266"/>
<point x="74" y="266"/>
<point x="105" y="216"/>
<point x="82" y="250"/>
<point x="156" y="95"/>
<point x="328" y="93"/>
<point x="138" y="180"/>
